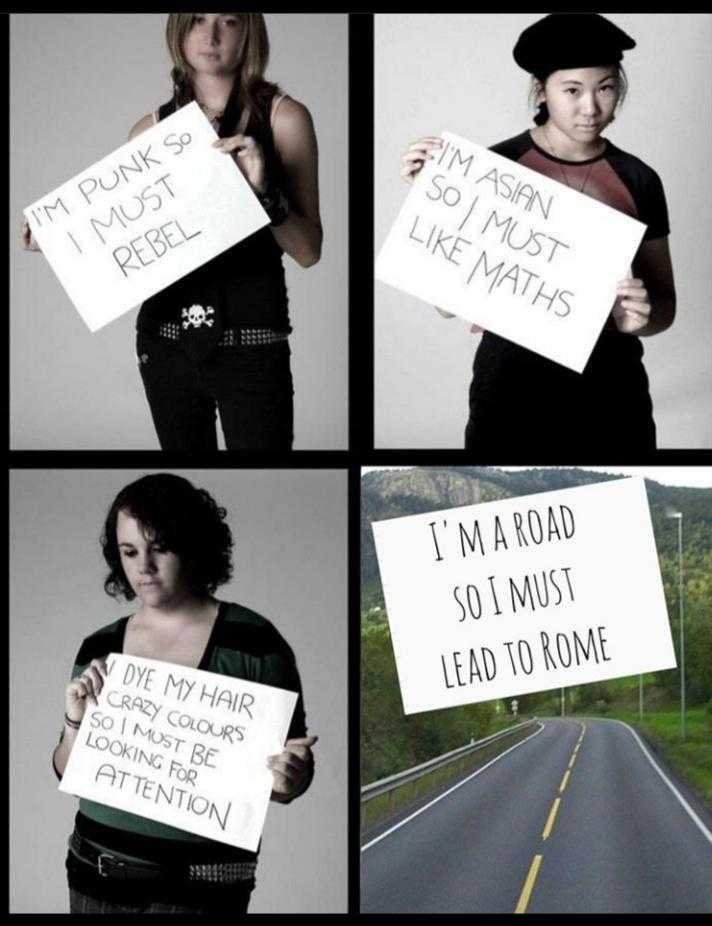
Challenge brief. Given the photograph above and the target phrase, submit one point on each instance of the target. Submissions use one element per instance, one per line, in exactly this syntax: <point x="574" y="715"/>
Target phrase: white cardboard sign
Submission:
<point x="181" y="746"/>
<point x="504" y="246"/>
<point x="144" y="216"/>
<point x="523" y="594"/>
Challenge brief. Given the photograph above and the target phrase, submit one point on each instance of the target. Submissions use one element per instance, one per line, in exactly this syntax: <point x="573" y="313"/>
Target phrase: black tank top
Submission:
<point x="244" y="284"/>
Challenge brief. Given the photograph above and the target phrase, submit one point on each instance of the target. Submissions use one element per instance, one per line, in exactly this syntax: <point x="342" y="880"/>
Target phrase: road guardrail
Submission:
<point x="411" y="774"/>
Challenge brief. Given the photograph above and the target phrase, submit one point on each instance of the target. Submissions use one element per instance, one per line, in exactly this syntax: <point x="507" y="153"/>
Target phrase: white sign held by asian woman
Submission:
<point x="503" y="246"/>
<point x="182" y="746"/>
<point x="144" y="216"/>
<point x="523" y="594"/>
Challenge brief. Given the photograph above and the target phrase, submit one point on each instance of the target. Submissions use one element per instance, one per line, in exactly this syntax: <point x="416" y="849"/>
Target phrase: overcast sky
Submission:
<point x="667" y="475"/>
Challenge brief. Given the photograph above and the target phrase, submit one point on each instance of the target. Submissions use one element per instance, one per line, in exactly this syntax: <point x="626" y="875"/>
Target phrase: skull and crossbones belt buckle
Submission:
<point x="200" y="329"/>
<point x="197" y="316"/>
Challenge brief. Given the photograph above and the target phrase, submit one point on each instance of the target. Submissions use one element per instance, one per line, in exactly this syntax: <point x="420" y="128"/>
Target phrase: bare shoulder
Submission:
<point x="145" y="123"/>
<point x="291" y="117"/>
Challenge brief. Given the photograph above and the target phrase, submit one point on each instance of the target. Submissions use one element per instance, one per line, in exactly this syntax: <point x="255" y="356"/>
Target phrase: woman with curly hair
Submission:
<point x="238" y="366"/>
<point x="168" y="547"/>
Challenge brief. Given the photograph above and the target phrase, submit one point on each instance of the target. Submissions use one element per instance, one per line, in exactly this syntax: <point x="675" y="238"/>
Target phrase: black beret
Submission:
<point x="561" y="41"/>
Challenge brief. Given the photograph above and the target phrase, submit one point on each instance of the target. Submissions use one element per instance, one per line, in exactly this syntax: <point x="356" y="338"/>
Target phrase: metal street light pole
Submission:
<point x="678" y="516"/>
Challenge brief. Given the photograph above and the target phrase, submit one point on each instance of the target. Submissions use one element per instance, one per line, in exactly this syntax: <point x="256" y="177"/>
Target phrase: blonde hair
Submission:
<point x="251" y="91"/>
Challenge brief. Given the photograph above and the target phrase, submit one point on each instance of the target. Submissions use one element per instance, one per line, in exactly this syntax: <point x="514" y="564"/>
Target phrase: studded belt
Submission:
<point x="116" y="868"/>
<point x="231" y="337"/>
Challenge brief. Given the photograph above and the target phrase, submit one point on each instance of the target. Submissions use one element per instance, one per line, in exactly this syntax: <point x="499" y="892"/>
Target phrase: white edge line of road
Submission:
<point x="450" y="790"/>
<point x="693" y="816"/>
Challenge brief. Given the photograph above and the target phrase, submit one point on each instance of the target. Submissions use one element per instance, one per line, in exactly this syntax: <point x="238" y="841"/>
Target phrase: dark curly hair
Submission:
<point x="185" y="520"/>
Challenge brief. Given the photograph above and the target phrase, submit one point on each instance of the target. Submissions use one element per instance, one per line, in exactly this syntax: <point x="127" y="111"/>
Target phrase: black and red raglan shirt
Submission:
<point x="616" y="178"/>
<point x="518" y="396"/>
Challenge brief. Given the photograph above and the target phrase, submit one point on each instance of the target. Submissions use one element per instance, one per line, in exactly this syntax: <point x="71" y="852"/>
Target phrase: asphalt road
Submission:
<point x="617" y="841"/>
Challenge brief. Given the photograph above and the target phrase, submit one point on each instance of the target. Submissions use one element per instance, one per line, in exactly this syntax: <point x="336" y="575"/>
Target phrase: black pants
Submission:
<point x="236" y="902"/>
<point x="522" y="404"/>
<point x="250" y="387"/>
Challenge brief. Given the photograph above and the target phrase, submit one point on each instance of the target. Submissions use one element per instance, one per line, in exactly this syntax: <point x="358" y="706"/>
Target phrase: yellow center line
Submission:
<point x="528" y="885"/>
<point x="552" y="816"/>
<point x="536" y="862"/>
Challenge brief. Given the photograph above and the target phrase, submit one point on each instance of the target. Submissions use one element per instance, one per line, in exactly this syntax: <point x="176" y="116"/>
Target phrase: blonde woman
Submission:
<point x="239" y="365"/>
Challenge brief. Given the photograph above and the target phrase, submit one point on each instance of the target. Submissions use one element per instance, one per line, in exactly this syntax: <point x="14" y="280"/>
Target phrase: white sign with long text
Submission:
<point x="182" y="746"/>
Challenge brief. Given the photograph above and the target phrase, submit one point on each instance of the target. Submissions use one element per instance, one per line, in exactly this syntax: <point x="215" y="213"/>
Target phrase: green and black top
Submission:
<point x="242" y="644"/>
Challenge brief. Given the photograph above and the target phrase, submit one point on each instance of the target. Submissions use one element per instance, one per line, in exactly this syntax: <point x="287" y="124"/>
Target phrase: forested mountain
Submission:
<point x="395" y="493"/>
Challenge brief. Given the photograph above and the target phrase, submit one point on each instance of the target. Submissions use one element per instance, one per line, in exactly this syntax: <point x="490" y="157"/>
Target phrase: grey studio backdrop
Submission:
<point x="78" y="84"/>
<point x="290" y="564"/>
<point x="456" y="72"/>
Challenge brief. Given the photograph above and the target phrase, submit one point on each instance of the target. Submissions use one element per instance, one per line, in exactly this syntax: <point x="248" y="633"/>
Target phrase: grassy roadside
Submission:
<point x="386" y="805"/>
<point x="691" y="759"/>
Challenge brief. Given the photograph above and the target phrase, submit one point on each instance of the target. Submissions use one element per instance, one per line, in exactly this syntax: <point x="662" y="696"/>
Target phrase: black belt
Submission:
<point x="116" y="868"/>
<point x="230" y="337"/>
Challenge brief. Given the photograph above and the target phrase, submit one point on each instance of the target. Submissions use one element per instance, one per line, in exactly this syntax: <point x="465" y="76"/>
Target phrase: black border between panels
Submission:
<point x="361" y="255"/>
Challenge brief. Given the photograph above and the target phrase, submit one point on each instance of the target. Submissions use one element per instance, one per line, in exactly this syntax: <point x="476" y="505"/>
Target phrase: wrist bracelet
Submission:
<point x="275" y="204"/>
<point x="74" y="724"/>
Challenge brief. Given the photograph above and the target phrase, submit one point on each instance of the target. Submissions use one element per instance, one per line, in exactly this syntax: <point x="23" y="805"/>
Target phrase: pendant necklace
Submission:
<point x="561" y="169"/>
<point x="212" y="115"/>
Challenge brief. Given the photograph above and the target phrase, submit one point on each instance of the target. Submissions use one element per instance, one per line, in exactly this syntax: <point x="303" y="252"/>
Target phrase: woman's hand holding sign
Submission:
<point x="27" y="238"/>
<point x="247" y="154"/>
<point x="292" y="769"/>
<point x="83" y="688"/>
<point x="631" y="310"/>
<point x="417" y="154"/>
<point x="412" y="163"/>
